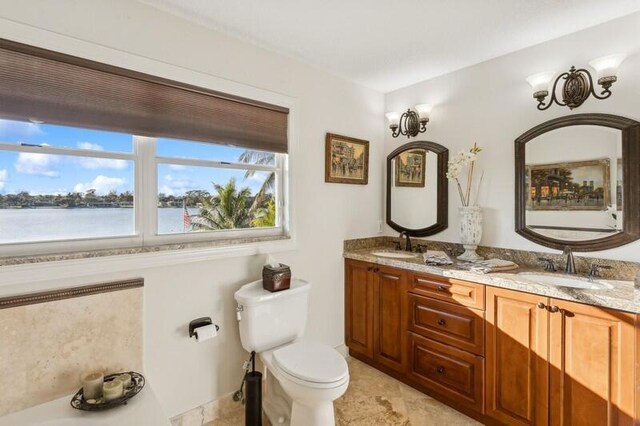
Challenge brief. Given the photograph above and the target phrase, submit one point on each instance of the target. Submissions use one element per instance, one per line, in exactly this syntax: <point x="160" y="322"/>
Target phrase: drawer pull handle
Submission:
<point x="440" y="370"/>
<point x="442" y="322"/>
<point x="442" y="288"/>
<point x="553" y="309"/>
<point x="542" y="305"/>
<point x="376" y="269"/>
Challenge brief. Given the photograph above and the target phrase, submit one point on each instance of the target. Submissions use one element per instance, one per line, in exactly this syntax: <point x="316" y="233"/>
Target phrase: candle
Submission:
<point x="112" y="390"/>
<point x="92" y="385"/>
<point x="125" y="379"/>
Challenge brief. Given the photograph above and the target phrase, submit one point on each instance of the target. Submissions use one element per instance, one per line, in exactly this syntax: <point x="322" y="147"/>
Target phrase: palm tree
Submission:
<point x="265" y="216"/>
<point x="227" y="209"/>
<point x="259" y="158"/>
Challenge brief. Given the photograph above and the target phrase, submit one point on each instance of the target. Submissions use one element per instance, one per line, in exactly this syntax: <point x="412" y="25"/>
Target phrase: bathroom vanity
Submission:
<point x="501" y="348"/>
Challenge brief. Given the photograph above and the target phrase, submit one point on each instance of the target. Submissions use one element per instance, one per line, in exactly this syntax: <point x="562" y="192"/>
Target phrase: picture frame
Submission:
<point x="569" y="186"/>
<point x="346" y="160"/>
<point x="410" y="169"/>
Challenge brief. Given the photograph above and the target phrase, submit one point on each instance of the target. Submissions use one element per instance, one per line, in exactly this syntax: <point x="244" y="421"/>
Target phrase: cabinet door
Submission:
<point x="591" y="353"/>
<point x="389" y="328"/>
<point x="516" y="350"/>
<point x="359" y="306"/>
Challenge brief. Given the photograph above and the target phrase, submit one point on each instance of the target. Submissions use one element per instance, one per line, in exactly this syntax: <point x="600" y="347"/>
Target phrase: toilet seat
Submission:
<point x="311" y="364"/>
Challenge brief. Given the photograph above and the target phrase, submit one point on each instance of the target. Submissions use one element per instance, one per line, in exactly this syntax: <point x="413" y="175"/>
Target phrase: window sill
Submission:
<point x="34" y="269"/>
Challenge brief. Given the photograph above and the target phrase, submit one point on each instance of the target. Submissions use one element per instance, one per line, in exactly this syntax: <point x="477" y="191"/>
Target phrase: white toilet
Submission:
<point x="303" y="378"/>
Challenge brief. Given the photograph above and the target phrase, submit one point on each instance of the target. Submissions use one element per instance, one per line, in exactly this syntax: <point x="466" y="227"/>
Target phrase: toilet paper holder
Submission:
<point x="200" y="322"/>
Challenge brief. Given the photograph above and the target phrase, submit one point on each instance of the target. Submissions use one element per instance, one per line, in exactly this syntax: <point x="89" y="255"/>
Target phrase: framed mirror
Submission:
<point x="577" y="182"/>
<point x="417" y="188"/>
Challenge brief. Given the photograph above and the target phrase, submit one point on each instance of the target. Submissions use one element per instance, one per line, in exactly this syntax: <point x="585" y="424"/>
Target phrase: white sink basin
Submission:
<point x="394" y="254"/>
<point x="566" y="281"/>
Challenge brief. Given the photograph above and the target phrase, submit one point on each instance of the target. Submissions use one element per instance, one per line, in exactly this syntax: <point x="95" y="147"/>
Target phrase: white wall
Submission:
<point x="129" y="34"/>
<point x="492" y="104"/>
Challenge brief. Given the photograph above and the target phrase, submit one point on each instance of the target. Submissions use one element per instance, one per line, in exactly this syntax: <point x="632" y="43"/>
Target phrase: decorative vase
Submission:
<point x="470" y="232"/>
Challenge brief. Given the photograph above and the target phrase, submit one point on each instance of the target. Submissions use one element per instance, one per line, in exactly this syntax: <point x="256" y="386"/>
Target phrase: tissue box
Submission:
<point x="276" y="277"/>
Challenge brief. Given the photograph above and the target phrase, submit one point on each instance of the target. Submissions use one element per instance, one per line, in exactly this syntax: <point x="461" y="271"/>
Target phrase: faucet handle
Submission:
<point x="548" y="264"/>
<point x="421" y="248"/>
<point x="595" y="269"/>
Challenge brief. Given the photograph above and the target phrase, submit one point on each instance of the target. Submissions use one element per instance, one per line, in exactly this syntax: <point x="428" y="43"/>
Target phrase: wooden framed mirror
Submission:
<point x="417" y="188"/>
<point x="578" y="182"/>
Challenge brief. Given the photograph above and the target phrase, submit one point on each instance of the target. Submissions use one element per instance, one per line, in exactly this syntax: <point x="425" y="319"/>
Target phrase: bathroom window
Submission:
<point x="85" y="189"/>
<point x="61" y="183"/>
<point x="140" y="179"/>
<point x="206" y="188"/>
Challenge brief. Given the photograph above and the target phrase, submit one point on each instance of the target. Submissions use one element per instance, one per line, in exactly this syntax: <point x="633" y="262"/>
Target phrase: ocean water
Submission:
<point x="24" y="225"/>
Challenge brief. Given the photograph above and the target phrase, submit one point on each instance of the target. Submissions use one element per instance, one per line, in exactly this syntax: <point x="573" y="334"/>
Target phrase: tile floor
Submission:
<point x="375" y="399"/>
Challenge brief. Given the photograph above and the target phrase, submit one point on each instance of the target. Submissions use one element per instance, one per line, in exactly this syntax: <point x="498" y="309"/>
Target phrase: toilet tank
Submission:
<point x="268" y="320"/>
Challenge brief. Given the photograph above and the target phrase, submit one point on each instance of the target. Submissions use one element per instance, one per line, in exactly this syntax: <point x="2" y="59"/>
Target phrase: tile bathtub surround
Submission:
<point x="622" y="270"/>
<point x="46" y="346"/>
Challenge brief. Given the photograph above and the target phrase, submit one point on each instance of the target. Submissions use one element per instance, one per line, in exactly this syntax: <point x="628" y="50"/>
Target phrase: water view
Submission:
<point x="23" y="225"/>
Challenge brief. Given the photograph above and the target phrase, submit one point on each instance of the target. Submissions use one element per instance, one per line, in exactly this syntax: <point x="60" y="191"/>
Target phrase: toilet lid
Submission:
<point x="312" y="362"/>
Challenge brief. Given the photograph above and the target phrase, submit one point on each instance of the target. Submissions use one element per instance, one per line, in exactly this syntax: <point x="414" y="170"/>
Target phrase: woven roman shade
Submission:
<point x="39" y="84"/>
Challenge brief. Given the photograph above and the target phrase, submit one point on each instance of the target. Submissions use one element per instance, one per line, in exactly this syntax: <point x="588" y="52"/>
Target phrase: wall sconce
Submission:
<point x="410" y="123"/>
<point x="578" y="83"/>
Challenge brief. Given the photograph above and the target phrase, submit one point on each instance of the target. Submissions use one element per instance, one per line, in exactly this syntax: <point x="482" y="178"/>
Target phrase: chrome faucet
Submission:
<point x="570" y="266"/>
<point x="407" y="246"/>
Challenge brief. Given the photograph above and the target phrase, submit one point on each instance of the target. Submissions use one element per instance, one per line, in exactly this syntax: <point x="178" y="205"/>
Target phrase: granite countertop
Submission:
<point x="622" y="295"/>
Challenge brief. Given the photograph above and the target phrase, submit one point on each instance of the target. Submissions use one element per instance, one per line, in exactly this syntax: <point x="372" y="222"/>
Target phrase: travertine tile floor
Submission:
<point x="375" y="399"/>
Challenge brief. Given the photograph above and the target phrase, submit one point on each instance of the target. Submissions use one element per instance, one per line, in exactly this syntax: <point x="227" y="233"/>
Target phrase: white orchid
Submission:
<point x="456" y="164"/>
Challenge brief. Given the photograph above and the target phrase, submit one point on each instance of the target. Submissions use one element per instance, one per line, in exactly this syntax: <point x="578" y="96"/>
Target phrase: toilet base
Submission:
<point x="318" y="415"/>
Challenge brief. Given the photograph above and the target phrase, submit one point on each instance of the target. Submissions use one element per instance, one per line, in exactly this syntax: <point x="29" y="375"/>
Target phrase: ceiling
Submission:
<point x="388" y="44"/>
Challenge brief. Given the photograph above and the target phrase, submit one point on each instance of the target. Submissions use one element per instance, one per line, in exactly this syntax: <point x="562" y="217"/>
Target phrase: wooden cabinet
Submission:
<point x="591" y="353"/>
<point x="548" y="362"/>
<point x="359" y="307"/>
<point x="390" y="300"/>
<point x="551" y="362"/>
<point x="374" y="313"/>
<point x="517" y="367"/>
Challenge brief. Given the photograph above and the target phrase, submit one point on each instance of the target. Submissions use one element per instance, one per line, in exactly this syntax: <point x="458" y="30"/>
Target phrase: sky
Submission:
<point x="54" y="174"/>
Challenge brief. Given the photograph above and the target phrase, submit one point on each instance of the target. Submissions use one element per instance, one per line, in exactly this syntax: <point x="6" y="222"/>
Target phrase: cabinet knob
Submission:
<point x="542" y="305"/>
<point x="441" y="288"/>
<point x="376" y="269"/>
<point x="370" y="268"/>
<point x="440" y="370"/>
<point x="553" y="309"/>
<point x="442" y="322"/>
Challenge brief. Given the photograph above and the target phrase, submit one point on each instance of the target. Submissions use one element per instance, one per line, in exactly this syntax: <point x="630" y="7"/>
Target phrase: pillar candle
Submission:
<point x="112" y="390"/>
<point x="92" y="385"/>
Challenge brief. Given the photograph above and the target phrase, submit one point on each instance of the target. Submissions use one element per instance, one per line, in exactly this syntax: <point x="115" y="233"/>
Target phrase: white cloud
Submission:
<point x="4" y="176"/>
<point x="98" y="163"/>
<point x="102" y="184"/>
<point x="37" y="164"/>
<point x="10" y="129"/>
<point x="176" y="185"/>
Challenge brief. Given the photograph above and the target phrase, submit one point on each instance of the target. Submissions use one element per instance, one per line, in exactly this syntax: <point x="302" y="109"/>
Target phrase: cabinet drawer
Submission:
<point x="452" y="373"/>
<point x="455" y="325"/>
<point x="451" y="290"/>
